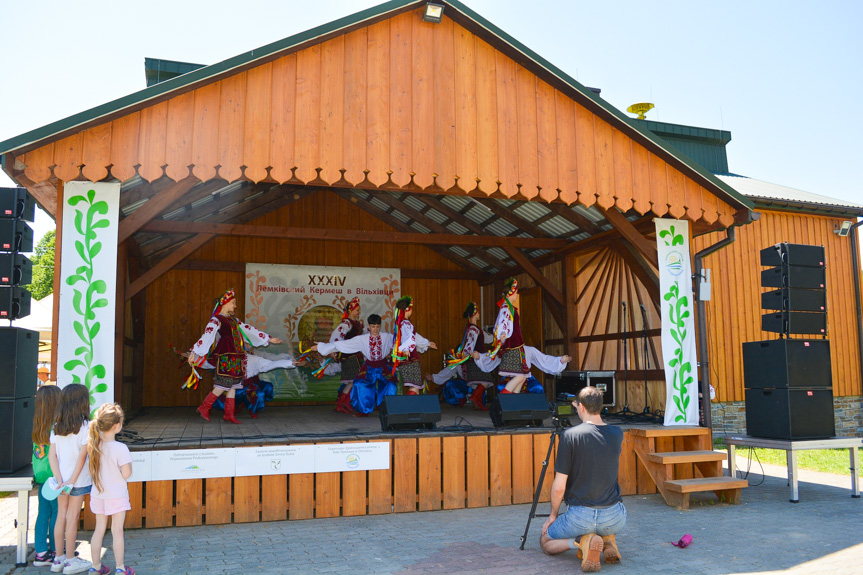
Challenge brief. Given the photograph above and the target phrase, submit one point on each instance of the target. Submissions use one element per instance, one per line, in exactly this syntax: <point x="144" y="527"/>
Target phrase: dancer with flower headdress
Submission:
<point x="460" y="361"/>
<point x="350" y="363"/>
<point x="509" y="354"/>
<point x="225" y="346"/>
<point x="407" y="346"/>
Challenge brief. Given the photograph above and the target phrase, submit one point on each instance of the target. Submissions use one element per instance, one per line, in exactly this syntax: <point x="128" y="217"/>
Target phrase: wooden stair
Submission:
<point x="689" y="466"/>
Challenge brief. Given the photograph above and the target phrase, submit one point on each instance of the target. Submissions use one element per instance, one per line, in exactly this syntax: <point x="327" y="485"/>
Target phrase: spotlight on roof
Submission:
<point x="844" y="229"/>
<point x="433" y="12"/>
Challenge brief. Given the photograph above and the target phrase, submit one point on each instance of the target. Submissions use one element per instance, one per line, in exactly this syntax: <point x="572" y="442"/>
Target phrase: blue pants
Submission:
<point x="44" y="529"/>
<point x="368" y="391"/>
<point x="578" y="521"/>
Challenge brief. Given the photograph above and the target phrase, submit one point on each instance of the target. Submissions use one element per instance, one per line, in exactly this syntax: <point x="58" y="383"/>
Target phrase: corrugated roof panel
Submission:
<point x="479" y="213"/>
<point x="538" y="253"/>
<point x="455" y="202"/>
<point x="590" y="213"/>
<point x="500" y="227"/>
<point x="499" y="253"/>
<point x="379" y="204"/>
<point x="437" y="216"/>
<point x="530" y="211"/>
<point x="478" y="262"/>
<point x="761" y="190"/>
<point x="401" y="216"/>
<point x="133" y="206"/>
<point x="581" y="236"/>
<point x="420" y="228"/>
<point x="460" y="251"/>
<point x="415" y="203"/>
<point x="456" y="228"/>
<point x="557" y="226"/>
<point x="361" y="193"/>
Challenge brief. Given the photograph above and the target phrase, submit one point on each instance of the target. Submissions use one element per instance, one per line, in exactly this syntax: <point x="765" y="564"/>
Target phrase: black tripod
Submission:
<point x="625" y="413"/>
<point x="559" y="425"/>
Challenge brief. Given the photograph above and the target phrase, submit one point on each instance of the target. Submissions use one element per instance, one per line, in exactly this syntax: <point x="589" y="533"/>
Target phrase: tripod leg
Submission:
<point x="532" y="513"/>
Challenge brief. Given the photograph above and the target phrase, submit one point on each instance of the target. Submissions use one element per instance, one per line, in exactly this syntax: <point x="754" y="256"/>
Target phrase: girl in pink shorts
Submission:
<point x="110" y="468"/>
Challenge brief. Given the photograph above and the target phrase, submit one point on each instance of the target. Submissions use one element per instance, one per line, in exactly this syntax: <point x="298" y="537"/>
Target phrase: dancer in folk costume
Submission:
<point x="349" y="328"/>
<point x="407" y="346"/>
<point x="509" y="354"/>
<point x="225" y="347"/>
<point x="461" y="362"/>
<point x="374" y="380"/>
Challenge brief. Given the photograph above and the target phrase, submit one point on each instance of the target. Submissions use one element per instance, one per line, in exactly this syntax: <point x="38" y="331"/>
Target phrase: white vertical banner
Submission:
<point x="678" y="322"/>
<point x="88" y="288"/>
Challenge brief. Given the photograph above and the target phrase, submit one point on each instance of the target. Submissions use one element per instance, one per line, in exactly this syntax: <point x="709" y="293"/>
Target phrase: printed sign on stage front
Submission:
<point x="275" y="460"/>
<point x="142" y="466"/>
<point x="678" y="322"/>
<point x="352" y="456"/>
<point x="304" y="304"/>
<point x="193" y="464"/>
<point x="88" y="288"/>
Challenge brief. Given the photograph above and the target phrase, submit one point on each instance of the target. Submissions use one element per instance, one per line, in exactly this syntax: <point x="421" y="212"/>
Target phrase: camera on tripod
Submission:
<point x="562" y="409"/>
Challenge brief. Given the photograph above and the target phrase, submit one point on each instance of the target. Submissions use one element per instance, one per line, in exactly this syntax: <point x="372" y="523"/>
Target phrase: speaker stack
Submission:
<point x="788" y="382"/>
<point x="19" y="352"/>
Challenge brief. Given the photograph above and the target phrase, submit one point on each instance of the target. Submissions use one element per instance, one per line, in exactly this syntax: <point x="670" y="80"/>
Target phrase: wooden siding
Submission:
<point x="179" y="302"/>
<point x="734" y="312"/>
<point x="400" y="104"/>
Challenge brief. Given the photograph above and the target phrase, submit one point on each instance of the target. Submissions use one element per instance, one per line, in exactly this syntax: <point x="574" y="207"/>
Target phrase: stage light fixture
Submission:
<point x="433" y="12"/>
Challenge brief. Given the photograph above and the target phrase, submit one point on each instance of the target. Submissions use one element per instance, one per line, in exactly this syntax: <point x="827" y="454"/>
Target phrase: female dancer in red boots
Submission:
<point x="407" y="346"/>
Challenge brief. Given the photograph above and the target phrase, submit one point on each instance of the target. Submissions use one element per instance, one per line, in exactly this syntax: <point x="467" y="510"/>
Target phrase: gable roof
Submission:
<point x="770" y="195"/>
<point x="455" y="10"/>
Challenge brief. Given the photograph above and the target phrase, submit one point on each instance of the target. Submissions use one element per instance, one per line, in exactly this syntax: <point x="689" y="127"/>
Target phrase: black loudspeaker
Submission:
<point x="793" y="255"/>
<point x="14" y="302"/>
<point x="16" y="444"/>
<point x="19" y="353"/>
<point x="805" y="413"/>
<point x="787" y="363"/>
<point x="574" y="381"/>
<point x="15" y="236"/>
<point x="519" y="410"/>
<point x="407" y="412"/>
<point x="15" y="269"/>
<point x="17" y="203"/>
<point x="791" y="299"/>
<point x="792" y="322"/>
<point x="793" y="277"/>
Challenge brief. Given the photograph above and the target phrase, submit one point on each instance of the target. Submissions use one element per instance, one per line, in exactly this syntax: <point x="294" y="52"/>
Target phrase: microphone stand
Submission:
<point x="646" y="361"/>
<point x="625" y="413"/>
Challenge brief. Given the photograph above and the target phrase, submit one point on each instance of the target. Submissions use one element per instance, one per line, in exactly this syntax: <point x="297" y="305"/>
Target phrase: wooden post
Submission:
<point x="120" y="327"/>
<point x="58" y="243"/>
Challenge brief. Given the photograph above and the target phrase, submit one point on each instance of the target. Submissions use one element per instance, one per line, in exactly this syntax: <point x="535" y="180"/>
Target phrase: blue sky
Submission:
<point x="782" y="77"/>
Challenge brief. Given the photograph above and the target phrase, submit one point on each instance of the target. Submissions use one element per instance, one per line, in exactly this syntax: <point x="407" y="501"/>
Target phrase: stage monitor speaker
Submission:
<point x="787" y="363"/>
<point x="19" y="353"/>
<point x="17" y="203"/>
<point x="15" y="236"/>
<point x="409" y="412"/>
<point x="793" y="255"/>
<point x="795" y="322"/>
<point x="519" y="410"/>
<point x="14" y="302"/>
<point x="793" y="277"/>
<point x="805" y="413"/>
<point x="574" y="381"/>
<point x="15" y="270"/>
<point x="16" y="442"/>
<point x="791" y="299"/>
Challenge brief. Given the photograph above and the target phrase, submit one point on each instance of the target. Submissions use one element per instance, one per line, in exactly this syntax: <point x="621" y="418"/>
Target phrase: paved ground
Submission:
<point x="765" y="534"/>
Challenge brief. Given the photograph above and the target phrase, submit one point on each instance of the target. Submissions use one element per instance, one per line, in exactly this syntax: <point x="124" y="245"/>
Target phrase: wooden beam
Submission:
<point x="364" y="236"/>
<point x="537" y="276"/>
<point x="642" y="270"/>
<point x="646" y="247"/>
<point x="58" y="243"/>
<point x="120" y="325"/>
<point x="155" y="206"/>
<point x="631" y="335"/>
<point x="575" y="218"/>
<point x="166" y="264"/>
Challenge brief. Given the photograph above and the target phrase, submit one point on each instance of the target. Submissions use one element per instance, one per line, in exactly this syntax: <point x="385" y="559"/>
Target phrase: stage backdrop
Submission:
<point x="678" y="325"/>
<point x="304" y="304"/>
<point x="88" y="288"/>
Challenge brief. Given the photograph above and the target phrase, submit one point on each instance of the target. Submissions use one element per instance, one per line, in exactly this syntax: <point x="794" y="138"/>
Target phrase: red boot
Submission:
<point x="476" y="398"/>
<point x="410" y="390"/>
<point x="229" y="411"/>
<point x="343" y="405"/>
<point x="204" y="408"/>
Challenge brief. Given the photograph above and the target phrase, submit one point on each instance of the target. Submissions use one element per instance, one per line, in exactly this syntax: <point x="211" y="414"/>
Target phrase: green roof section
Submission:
<point x="703" y="145"/>
<point x="157" y="71"/>
<point x="201" y="75"/>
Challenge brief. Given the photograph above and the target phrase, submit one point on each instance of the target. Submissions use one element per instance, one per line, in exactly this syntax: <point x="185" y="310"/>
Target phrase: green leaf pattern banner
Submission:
<point x="678" y="326"/>
<point x="88" y="288"/>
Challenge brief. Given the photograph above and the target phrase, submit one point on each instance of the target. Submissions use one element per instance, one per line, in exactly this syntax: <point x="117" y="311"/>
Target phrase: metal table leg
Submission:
<point x="23" y="525"/>
<point x="732" y="461"/>
<point x="791" y="457"/>
<point x="855" y="467"/>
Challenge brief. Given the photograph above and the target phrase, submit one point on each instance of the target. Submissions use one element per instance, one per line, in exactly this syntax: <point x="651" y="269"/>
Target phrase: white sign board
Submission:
<point x="352" y="457"/>
<point x="275" y="460"/>
<point x="142" y="466"/>
<point x="193" y="464"/>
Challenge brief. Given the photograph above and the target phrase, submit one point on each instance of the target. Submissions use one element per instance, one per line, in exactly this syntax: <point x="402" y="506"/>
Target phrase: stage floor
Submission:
<point x="159" y="428"/>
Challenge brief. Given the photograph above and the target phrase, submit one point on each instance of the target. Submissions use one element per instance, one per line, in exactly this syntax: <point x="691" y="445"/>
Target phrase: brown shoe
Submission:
<point x="611" y="552"/>
<point x="591" y="550"/>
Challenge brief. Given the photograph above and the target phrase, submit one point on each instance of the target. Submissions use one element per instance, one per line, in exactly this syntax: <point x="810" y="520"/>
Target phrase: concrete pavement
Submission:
<point x="765" y="534"/>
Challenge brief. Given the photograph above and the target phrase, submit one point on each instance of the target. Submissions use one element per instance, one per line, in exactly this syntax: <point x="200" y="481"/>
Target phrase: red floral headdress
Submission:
<point x="228" y="296"/>
<point x="352" y="305"/>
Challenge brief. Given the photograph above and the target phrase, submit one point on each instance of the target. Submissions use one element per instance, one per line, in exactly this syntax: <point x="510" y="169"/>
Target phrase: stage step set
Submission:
<point x="689" y="466"/>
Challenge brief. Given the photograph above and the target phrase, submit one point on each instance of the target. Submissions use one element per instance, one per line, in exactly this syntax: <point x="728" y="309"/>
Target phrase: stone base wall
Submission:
<point x="729" y="418"/>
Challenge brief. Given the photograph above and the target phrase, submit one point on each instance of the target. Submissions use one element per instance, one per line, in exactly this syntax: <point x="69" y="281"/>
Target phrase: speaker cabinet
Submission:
<point x="519" y="410"/>
<point x="805" y="413"/>
<point x="19" y="353"/>
<point x="14" y="302"/>
<point x="791" y="299"/>
<point x="787" y="363"/>
<point x="793" y="277"/>
<point x="17" y="203"/>
<point x="16" y="445"/>
<point x="793" y="255"/>
<point x="15" y="270"/>
<point x="794" y="322"/>
<point x="409" y="412"/>
<point x="15" y="236"/>
<point x="574" y="381"/>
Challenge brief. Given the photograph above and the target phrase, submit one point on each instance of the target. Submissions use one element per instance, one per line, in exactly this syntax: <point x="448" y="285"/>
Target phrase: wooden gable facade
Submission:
<point x="386" y="108"/>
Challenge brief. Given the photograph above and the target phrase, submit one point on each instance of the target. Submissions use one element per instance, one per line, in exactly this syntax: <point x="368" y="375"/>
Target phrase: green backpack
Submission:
<point x="41" y="465"/>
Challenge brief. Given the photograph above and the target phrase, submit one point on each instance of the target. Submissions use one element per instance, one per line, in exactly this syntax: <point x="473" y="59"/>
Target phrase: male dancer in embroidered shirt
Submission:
<point x="225" y="346"/>
<point x="350" y="327"/>
<point x="407" y="346"/>
<point x="372" y="383"/>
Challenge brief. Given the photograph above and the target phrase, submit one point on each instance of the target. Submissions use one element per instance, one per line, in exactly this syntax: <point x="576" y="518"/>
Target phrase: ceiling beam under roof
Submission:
<point x="163" y="199"/>
<point x="576" y="219"/>
<point x="646" y="247"/>
<point x="506" y="214"/>
<point x="152" y="274"/>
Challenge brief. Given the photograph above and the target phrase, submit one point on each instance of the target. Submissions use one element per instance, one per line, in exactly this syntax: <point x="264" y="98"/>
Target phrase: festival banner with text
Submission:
<point x="305" y="304"/>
